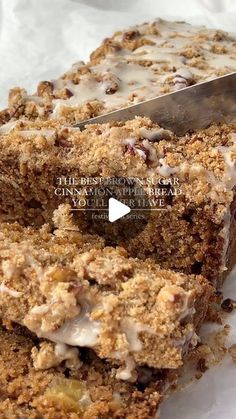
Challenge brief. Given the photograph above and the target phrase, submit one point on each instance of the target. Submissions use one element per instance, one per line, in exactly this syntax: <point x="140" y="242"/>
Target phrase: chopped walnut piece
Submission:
<point x="201" y="365"/>
<point x="227" y="305"/>
<point x="63" y="138"/>
<point x="219" y="35"/>
<point x="45" y="89"/>
<point x="110" y="83"/>
<point x="218" y="49"/>
<point x="16" y="97"/>
<point x="130" y="35"/>
<point x="68" y="93"/>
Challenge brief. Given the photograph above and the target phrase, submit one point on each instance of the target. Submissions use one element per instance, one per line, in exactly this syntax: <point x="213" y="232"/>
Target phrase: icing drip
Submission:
<point x="155" y="135"/>
<point x="80" y="331"/>
<point x="126" y="373"/>
<point x="12" y="293"/>
<point x="131" y="329"/>
<point x="144" y="149"/>
<point x="66" y="352"/>
<point x="9" y="269"/>
<point x="230" y="175"/>
<point x="7" y="128"/>
<point x="35" y="265"/>
<point x="48" y="133"/>
<point x="165" y="170"/>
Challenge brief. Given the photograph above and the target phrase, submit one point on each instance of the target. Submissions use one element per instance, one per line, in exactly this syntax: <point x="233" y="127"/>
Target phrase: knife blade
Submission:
<point x="193" y="107"/>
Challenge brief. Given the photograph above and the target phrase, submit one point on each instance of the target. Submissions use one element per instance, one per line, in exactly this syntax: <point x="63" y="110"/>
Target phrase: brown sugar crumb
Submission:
<point x="207" y="354"/>
<point x="232" y="352"/>
<point x="214" y="346"/>
<point x="214" y="312"/>
<point x="218" y="49"/>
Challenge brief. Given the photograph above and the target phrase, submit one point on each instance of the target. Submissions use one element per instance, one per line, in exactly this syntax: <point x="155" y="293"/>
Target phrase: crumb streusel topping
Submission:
<point x="137" y="64"/>
<point x="199" y="219"/>
<point x="98" y="298"/>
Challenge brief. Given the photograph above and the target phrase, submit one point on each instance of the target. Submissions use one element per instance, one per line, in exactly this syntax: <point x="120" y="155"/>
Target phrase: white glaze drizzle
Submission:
<point x="80" y="331"/>
<point x="7" y="128"/>
<point x="4" y="289"/>
<point x="138" y="82"/>
<point x="165" y="170"/>
<point x="48" y="133"/>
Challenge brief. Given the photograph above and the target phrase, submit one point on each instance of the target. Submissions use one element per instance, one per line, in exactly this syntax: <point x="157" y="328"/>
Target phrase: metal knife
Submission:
<point x="193" y="107"/>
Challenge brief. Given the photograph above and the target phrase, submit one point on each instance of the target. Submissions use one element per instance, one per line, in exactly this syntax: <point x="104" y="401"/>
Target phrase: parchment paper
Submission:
<point x="40" y="39"/>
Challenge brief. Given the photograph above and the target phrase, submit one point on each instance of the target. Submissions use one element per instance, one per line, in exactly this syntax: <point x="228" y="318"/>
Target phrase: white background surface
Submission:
<point x="40" y="39"/>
